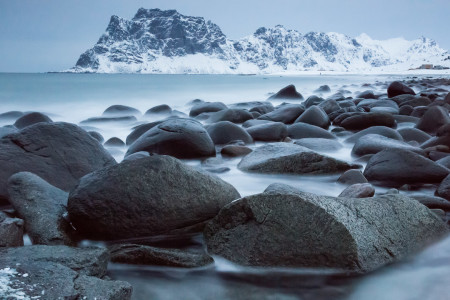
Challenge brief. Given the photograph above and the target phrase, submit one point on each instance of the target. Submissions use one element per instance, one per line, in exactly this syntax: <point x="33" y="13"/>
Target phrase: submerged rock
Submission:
<point x="121" y="110"/>
<point x="374" y="143"/>
<point x="281" y="229"/>
<point x="42" y="207"/>
<point x="288" y="92"/>
<point x="59" y="153"/>
<point x="32" y="118"/>
<point x="181" y="138"/>
<point x="150" y="196"/>
<point x="284" y="158"/>
<point x="147" y="255"/>
<point x="203" y="107"/>
<point x="319" y="144"/>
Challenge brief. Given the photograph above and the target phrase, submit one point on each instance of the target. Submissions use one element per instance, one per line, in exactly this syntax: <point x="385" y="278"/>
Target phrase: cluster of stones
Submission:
<point x="61" y="186"/>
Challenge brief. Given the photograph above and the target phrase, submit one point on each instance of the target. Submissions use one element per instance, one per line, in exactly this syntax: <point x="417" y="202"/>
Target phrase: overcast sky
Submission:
<point x="49" y="35"/>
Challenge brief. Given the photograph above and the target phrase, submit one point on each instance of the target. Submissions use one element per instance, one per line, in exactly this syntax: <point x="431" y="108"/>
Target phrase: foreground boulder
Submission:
<point x="281" y="229"/>
<point x="59" y="153"/>
<point x="149" y="196"/>
<point x="58" y="272"/>
<point x="395" y="167"/>
<point x="42" y="207"/>
<point x="181" y="138"/>
<point x="284" y="158"/>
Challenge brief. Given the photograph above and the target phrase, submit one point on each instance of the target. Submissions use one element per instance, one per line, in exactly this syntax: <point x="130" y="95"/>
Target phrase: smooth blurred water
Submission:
<point x="75" y="97"/>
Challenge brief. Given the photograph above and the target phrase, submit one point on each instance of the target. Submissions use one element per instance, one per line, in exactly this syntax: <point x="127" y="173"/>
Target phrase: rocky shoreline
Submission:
<point x="61" y="187"/>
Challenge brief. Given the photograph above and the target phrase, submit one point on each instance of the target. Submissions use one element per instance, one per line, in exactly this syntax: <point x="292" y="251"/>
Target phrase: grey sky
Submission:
<point x="46" y="35"/>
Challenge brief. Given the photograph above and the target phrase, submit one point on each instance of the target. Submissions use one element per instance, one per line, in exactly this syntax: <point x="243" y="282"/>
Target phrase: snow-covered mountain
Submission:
<point x="157" y="41"/>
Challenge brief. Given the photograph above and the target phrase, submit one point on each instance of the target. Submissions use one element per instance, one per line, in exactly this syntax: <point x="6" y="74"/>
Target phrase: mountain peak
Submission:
<point x="165" y="41"/>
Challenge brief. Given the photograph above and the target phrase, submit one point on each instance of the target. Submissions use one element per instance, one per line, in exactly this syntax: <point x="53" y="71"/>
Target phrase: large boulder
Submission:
<point x="59" y="153"/>
<point x="58" y="272"/>
<point x="397" y="88"/>
<point x="314" y="115"/>
<point x="270" y="132"/>
<point x="145" y="197"/>
<point x="181" y="138"/>
<point x="140" y="130"/>
<point x="413" y="134"/>
<point x="284" y="158"/>
<point x="443" y="189"/>
<point x="286" y="113"/>
<point x="395" y="167"/>
<point x="225" y="132"/>
<point x="11" y="231"/>
<point x="160" y="110"/>
<point x="374" y="143"/>
<point x="288" y="92"/>
<point x="42" y="207"/>
<point x="121" y="110"/>
<point x="366" y="120"/>
<point x="32" y="118"/>
<point x="433" y="119"/>
<point x="281" y="229"/>
<point x="232" y="114"/>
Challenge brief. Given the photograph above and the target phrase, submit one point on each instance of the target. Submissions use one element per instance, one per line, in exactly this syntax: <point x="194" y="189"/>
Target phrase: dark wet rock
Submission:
<point x="137" y="155"/>
<point x="11" y="115"/>
<point x="121" y="110"/>
<point x="443" y="189"/>
<point x="316" y="116"/>
<point x="140" y="130"/>
<point x="374" y="143"/>
<point x="352" y="177"/>
<point x="206" y="107"/>
<point x="232" y="114"/>
<point x="162" y="109"/>
<point x="284" y="158"/>
<point x="436" y="141"/>
<point x="323" y="89"/>
<point x="288" y="92"/>
<point x="281" y="188"/>
<point x="255" y="114"/>
<point x="7" y="130"/>
<point x="313" y="100"/>
<point x="395" y="167"/>
<point x="96" y="135"/>
<point x="329" y="106"/>
<point x="303" y="130"/>
<point x="224" y="132"/>
<point x="405" y="110"/>
<point x="414" y="134"/>
<point x="417" y="101"/>
<point x="433" y="202"/>
<point x="419" y="111"/>
<point x="367" y="95"/>
<point x="235" y="150"/>
<point x="95" y="120"/>
<point x="445" y="161"/>
<point x="250" y="123"/>
<point x="444" y="130"/>
<point x="11" y="231"/>
<point x="366" y="120"/>
<point x="285" y="113"/>
<point x="435" y="117"/>
<point x="147" y="255"/>
<point x="379" y="130"/>
<point x="250" y="104"/>
<point x="397" y="88"/>
<point x="400" y="99"/>
<point x="162" y="194"/>
<point x="61" y="272"/>
<point x="114" y="142"/>
<point x="59" y="153"/>
<point x="319" y="144"/>
<point x="42" y="207"/>
<point x="383" y="109"/>
<point x="355" y="234"/>
<point x="447" y="98"/>
<point x="217" y="170"/>
<point x="181" y="138"/>
<point x="358" y="190"/>
<point x="337" y="96"/>
<point x="263" y="109"/>
<point x="30" y="119"/>
<point x="346" y="104"/>
<point x="270" y="132"/>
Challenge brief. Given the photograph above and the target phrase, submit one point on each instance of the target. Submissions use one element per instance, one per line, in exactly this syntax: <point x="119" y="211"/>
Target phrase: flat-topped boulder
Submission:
<point x="150" y="196"/>
<point x="284" y="158"/>
<point x="59" y="153"/>
<point x="181" y="138"/>
<point x="278" y="228"/>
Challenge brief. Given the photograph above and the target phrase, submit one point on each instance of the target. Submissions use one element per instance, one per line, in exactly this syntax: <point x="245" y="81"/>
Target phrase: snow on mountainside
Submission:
<point x="157" y="41"/>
